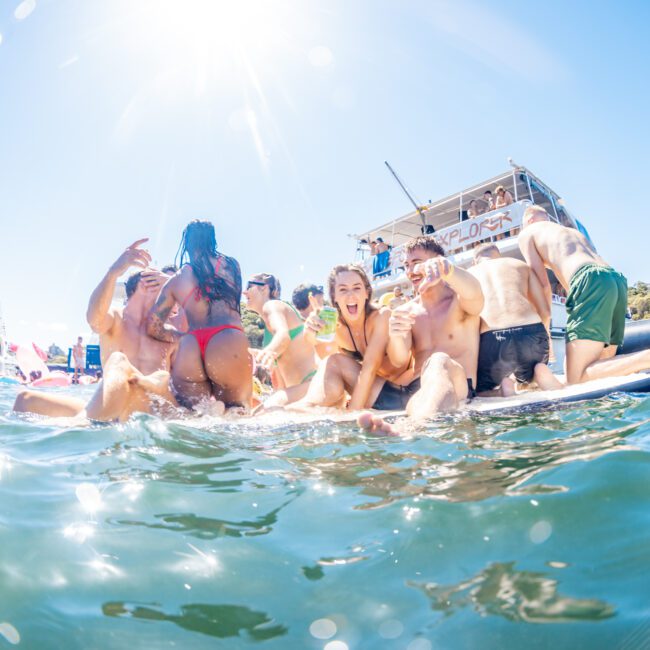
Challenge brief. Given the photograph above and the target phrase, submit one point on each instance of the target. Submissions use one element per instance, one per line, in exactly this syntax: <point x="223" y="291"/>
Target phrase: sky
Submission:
<point x="272" y="118"/>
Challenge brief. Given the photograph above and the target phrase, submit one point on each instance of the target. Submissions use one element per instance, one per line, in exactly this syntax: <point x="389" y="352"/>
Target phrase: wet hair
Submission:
<point x="300" y="296"/>
<point x="131" y="283"/>
<point x="199" y="246"/>
<point x="428" y="244"/>
<point x="484" y="250"/>
<point x="275" y="290"/>
<point x="354" y="268"/>
<point x="170" y="269"/>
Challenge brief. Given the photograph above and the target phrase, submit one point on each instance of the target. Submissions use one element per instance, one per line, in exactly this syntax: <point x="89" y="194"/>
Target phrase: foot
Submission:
<point x="507" y="387"/>
<point x="374" y="424"/>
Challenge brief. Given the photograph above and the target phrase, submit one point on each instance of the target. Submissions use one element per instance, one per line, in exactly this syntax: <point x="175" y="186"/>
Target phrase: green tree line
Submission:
<point x="638" y="300"/>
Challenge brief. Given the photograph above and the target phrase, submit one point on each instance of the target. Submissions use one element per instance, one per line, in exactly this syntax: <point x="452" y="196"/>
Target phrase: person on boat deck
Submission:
<point x="286" y="353"/>
<point x="503" y="197"/>
<point x="212" y="358"/>
<point x="515" y="323"/>
<point x="437" y="333"/>
<point x="596" y="302"/>
<point x="381" y="260"/>
<point x="360" y="368"/>
<point x="489" y="199"/>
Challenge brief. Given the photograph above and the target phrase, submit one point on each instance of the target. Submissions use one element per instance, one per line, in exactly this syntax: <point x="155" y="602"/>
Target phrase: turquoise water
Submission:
<point x="520" y="531"/>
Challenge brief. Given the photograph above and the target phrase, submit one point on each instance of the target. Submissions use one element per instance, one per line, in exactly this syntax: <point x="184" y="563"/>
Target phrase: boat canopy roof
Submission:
<point x="519" y="181"/>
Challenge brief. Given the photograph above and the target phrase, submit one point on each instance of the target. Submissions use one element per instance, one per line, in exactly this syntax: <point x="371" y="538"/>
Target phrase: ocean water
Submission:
<point x="520" y="531"/>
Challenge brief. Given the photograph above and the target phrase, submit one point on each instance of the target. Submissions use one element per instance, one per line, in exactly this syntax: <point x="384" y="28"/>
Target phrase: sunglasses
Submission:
<point x="252" y="283"/>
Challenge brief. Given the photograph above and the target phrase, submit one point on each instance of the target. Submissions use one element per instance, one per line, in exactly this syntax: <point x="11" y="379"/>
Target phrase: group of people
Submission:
<point x="489" y="201"/>
<point x="179" y="341"/>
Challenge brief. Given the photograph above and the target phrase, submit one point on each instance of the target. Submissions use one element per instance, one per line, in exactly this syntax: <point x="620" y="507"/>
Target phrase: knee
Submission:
<point x="23" y="401"/>
<point x="117" y="359"/>
<point x="436" y="362"/>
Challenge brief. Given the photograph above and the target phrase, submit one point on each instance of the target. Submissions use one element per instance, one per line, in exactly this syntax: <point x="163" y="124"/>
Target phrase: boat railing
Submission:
<point x="495" y="225"/>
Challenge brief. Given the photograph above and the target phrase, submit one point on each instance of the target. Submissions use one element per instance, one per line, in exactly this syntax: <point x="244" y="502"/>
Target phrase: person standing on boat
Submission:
<point x="489" y="199"/>
<point x="285" y="354"/>
<point x="212" y="358"/>
<point x="515" y="323"/>
<point x="359" y="367"/>
<point x="596" y="302"/>
<point x="503" y="197"/>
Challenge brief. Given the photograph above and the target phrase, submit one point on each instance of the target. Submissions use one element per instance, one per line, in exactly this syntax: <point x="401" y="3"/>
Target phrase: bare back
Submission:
<point x="201" y="313"/>
<point x="443" y="326"/>
<point x="563" y="250"/>
<point x="505" y="283"/>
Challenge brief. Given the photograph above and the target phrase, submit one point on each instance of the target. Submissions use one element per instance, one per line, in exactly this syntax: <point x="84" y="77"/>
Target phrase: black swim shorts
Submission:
<point x="395" y="398"/>
<point x="514" y="350"/>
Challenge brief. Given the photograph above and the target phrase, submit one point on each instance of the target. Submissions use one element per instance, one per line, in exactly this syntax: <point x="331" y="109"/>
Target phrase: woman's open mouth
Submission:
<point x="353" y="309"/>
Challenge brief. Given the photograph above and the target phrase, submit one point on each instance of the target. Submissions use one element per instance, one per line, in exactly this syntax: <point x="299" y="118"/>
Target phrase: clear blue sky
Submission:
<point x="128" y="118"/>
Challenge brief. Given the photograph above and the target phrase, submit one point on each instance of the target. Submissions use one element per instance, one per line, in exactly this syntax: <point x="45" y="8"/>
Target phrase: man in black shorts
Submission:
<point x="514" y="325"/>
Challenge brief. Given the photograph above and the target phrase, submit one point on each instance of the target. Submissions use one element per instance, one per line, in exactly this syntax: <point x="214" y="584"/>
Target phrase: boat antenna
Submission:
<point x="410" y="197"/>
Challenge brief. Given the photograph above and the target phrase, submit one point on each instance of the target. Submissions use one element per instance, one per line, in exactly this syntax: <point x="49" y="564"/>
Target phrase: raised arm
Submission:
<point x="400" y="336"/>
<point x="99" y="315"/>
<point x="157" y="326"/>
<point x="372" y="360"/>
<point x="467" y="288"/>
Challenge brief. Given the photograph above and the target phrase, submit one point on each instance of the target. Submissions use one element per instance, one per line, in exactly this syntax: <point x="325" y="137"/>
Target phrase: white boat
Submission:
<point x="447" y="220"/>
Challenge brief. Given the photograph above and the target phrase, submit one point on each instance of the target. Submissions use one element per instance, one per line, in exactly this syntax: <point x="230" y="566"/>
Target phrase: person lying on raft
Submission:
<point x="212" y="358"/>
<point x="514" y="325"/>
<point x="360" y="368"/>
<point x="596" y="302"/>
<point x="286" y="354"/>
<point x="123" y="391"/>
<point x="123" y="329"/>
<point x="437" y="332"/>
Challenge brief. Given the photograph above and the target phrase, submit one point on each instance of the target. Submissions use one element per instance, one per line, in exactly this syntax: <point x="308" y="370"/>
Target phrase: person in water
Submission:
<point x="596" y="302"/>
<point x="302" y="298"/>
<point x="360" y="368"/>
<point x="212" y="358"/>
<point x="436" y="333"/>
<point x="515" y="323"/>
<point x="285" y="354"/>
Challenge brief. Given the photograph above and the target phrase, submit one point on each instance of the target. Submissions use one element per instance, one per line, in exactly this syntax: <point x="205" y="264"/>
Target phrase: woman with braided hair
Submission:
<point x="212" y="358"/>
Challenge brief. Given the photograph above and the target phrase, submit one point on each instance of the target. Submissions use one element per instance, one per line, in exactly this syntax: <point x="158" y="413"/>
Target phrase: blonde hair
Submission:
<point x="354" y="268"/>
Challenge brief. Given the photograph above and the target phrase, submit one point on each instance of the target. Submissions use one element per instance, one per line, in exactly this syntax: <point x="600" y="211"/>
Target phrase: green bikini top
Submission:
<point x="296" y="331"/>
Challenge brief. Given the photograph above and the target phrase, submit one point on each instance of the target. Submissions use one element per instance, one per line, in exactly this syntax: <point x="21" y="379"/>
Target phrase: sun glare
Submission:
<point x="217" y="33"/>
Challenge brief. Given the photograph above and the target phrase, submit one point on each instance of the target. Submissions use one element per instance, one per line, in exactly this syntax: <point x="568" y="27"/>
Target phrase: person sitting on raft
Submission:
<point x="212" y="358"/>
<point x="361" y="368"/>
<point x="286" y="354"/>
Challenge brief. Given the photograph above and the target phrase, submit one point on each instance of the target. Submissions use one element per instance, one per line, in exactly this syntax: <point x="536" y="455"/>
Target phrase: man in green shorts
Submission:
<point x="596" y="298"/>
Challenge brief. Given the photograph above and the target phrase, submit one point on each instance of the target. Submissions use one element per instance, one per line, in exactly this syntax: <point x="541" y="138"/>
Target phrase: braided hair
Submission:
<point x="199" y="245"/>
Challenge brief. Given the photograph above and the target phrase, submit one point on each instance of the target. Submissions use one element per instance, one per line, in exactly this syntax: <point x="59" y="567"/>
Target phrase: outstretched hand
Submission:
<point x="132" y="256"/>
<point x="433" y="271"/>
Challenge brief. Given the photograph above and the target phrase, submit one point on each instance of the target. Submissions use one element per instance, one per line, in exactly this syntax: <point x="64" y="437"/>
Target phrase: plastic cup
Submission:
<point x="327" y="333"/>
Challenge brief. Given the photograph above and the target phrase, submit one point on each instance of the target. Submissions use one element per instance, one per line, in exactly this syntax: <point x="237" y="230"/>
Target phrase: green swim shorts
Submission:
<point x="596" y="305"/>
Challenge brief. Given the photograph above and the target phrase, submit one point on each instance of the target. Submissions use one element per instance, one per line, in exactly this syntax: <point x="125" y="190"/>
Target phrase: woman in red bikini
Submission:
<point x="212" y="358"/>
